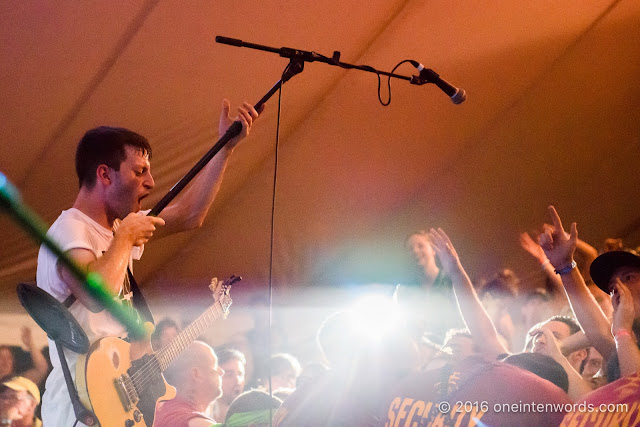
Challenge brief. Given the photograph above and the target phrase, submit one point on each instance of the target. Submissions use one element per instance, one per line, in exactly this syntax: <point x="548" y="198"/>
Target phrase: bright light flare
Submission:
<point x="376" y="315"/>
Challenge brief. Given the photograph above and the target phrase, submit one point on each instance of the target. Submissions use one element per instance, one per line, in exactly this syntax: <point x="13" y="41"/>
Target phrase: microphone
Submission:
<point x="429" y="76"/>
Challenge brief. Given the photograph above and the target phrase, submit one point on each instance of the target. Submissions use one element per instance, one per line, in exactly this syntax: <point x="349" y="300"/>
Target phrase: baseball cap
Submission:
<point x="23" y="384"/>
<point x="605" y="265"/>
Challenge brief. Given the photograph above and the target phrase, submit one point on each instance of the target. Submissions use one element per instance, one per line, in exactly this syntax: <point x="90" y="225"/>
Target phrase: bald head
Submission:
<point x="196" y="356"/>
<point x="196" y="372"/>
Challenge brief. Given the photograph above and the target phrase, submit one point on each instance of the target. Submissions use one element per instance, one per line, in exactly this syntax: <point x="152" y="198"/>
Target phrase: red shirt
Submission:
<point x="176" y="413"/>
<point x="475" y="392"/>
<point x="615" y="404"/>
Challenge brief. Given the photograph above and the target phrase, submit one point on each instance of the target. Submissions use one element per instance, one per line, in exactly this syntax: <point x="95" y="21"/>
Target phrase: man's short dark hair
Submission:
<point x="227" y="354"/>
<point x="165" y="323"/>
<point x="543" y="366"/>
<point x="574" y="326"/>
<point x="105" y="145"/>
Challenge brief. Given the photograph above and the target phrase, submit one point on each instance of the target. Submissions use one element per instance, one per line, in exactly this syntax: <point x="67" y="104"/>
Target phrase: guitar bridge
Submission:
<point x="126" y="392"/>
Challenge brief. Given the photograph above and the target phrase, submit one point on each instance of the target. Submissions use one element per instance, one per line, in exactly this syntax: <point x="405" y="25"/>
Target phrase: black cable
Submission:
<point x="369" y="68"/>
<point x="273" y="210"/>
<point x="389" y="82"/>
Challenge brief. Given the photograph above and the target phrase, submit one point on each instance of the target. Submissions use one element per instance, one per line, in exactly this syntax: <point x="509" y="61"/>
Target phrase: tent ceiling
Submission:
<point x="552" y="116"/>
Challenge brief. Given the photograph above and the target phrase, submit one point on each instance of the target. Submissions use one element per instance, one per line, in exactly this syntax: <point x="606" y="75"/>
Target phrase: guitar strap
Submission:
<point x="138" y="300"/>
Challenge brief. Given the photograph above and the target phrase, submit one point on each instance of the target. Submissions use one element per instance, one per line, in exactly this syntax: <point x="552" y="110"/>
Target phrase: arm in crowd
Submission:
<point x="529" y="245"/>
<point x="627" y="347"/>
<point x="578" y="386"/>
<point x="482" y="329"/>
<point x="574" y="342"/>
<point x="588" y="253"/>
<point x="40" y="365"/>
<point x="560" y="246"/>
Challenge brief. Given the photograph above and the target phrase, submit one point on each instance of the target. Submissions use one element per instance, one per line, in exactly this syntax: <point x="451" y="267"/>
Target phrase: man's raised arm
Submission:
<point x="560" y="246"/>
<point x="483" y="331"/>
<point x="191" y="208"/>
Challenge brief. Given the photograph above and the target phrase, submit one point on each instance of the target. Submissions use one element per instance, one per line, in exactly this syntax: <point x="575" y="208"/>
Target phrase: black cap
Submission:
<point x="543" y="366"/>
<point x="605" y="265"/>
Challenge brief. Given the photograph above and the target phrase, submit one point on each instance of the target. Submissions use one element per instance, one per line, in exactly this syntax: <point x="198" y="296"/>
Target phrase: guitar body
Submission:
<point x="104" y="384"/>
<point x="121" y="382"/>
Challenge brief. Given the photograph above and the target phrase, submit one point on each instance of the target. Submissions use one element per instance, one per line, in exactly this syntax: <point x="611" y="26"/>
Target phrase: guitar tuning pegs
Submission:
<point x="233" y="279"/>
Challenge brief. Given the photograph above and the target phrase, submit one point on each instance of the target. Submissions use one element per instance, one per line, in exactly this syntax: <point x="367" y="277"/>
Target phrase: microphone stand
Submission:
<point x="296" y="65"/>
<point x="297" y="58"/>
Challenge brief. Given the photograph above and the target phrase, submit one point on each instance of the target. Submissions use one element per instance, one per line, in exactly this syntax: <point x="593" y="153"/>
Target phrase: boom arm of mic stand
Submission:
<point x="307" y="56"/>
<point x="295" y="67"/>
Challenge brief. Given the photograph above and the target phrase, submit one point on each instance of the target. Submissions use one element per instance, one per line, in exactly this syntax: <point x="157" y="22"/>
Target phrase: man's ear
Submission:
<point x="103" y="174"/>
<point x="581" y="354"/>
<point x="584" y="354"/>
<point x="195" y="373"/>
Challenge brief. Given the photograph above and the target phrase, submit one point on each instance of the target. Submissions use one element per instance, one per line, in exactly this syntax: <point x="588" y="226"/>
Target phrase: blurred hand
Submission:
<point x="445" y="250"/>
<point x="557" y="244"/>
<point x="624" y="311"/>
<point x="546" y="343"/>
<point x="612" y="244"/>
<point x="532" y="247"/>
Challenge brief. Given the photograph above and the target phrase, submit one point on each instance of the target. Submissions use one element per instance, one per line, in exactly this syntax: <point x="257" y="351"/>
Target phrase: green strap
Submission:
<point x="241" y="419"/>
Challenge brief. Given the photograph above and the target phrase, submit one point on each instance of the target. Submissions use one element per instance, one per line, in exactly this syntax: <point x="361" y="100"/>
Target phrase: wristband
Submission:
<point x="567" y="269"/>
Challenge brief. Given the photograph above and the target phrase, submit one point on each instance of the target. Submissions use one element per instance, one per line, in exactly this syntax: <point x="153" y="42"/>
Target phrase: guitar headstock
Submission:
<point x="221" y="289"/>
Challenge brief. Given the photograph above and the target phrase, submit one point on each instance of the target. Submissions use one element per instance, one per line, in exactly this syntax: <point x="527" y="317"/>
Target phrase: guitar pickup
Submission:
<point x="126" y="392"/>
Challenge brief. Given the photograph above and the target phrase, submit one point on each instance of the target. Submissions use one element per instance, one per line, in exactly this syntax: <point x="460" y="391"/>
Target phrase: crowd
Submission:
<point x="497" y="352"/>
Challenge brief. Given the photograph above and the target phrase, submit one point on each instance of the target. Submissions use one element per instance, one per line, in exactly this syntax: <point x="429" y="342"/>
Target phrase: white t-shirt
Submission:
<point x="73" y="230"/>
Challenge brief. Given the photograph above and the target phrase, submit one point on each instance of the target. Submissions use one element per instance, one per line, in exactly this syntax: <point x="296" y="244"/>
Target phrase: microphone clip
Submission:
<point x="426" y="75"/>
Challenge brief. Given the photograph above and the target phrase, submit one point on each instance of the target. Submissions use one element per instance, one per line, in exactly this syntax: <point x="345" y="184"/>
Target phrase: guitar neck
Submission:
<point x="167" y="354"/>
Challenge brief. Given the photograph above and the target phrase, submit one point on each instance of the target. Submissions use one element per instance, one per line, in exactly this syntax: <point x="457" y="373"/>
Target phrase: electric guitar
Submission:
<point x="123" y="392"/>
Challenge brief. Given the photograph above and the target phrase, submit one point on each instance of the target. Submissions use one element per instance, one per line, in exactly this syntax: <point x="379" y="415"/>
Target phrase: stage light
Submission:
<point x="375" y="315"/>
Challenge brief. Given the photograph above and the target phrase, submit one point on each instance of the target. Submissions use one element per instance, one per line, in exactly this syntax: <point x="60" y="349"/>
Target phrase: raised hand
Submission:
<point x="558" y="245"/>
<point x="532" y="247"/>
<point x="445" y="250"/>
<point x="246" y="115"/>
<point x="546" y="343"/>
<point x="138" y="227"/>
<point x="624" y="310"/>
